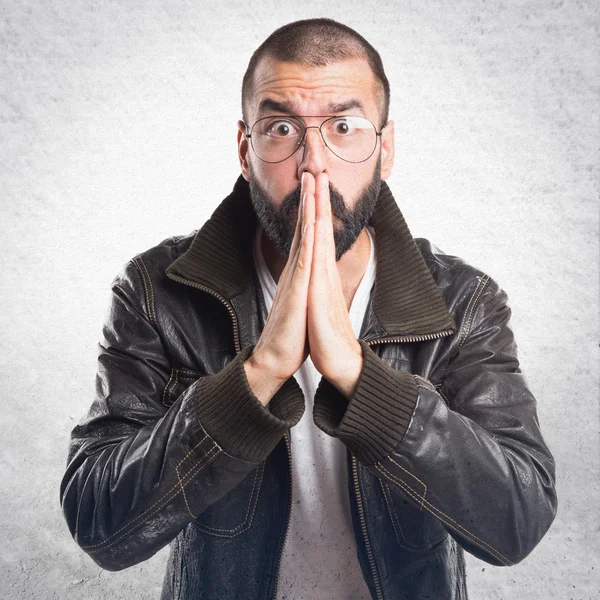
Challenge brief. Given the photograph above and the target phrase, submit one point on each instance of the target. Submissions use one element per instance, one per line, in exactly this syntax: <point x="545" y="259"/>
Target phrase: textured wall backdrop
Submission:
<point x="118" y="129"/>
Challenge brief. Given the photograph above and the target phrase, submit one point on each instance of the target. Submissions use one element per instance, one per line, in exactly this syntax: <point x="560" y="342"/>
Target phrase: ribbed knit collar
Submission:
<point x="405" y="300"/>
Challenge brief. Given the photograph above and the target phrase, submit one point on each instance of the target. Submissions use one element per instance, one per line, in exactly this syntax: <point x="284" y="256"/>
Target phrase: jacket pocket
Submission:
<point x="179" y="380"/>
<point x="416" y="530"/>
<point x="233" y="513"/>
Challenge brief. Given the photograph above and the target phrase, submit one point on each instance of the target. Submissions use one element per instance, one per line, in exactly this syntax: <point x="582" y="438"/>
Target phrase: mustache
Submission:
<point x="291" y="203"/>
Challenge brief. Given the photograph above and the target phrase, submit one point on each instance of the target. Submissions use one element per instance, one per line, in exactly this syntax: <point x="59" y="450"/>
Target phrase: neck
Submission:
<point x="351" y="266"/>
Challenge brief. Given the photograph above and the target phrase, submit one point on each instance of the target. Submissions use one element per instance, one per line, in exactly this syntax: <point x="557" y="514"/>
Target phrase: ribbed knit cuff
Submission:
<point x="234" y="417"/>
<point x="373" y="422"/>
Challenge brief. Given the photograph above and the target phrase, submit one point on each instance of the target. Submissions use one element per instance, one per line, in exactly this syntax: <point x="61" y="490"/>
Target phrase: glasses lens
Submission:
<point x="276" y="138"/>
<point x="351" y="138"/>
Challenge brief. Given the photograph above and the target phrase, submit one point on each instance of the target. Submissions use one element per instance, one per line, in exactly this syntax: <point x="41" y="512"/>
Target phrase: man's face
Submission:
<point x="342" y="88"/>
<point x="278" y="220"/>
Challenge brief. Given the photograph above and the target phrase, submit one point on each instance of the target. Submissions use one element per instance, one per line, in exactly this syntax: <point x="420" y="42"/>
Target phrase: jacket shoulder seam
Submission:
<point x="467" y="321"/>
<point x="148" y="288"/>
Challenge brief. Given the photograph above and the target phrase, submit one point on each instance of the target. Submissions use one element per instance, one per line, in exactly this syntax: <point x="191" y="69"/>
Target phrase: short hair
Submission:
<point x="316" y="43"/>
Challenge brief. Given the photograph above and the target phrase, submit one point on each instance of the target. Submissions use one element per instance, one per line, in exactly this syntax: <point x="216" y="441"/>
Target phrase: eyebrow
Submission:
<point x="342" y="106"/>
<point x="285" y="107"/>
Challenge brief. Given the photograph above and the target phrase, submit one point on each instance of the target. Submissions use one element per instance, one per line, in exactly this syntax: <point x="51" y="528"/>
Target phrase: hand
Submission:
<point x="283" y="344"/>
<point x="334" y="349"/>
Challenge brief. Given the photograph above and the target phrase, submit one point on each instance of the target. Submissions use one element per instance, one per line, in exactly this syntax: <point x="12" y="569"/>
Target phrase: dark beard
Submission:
<point x="279" y="224"/>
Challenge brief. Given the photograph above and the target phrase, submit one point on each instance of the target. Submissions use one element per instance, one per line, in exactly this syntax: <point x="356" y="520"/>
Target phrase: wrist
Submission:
<point x="263" y="383"/>
<point x="346" y="379"/>
<point x="266" y="365"/>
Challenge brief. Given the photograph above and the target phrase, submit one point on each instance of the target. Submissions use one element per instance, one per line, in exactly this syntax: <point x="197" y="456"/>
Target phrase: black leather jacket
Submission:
<point x="444" y="450"/>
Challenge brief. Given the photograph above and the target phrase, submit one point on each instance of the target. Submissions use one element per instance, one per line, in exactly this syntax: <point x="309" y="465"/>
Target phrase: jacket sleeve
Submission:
<point x="138" y="472"/>
<point x="477" y="461"/>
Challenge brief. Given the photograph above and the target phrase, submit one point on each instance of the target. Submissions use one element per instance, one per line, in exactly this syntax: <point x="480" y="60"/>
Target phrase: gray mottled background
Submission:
<point x="117" y="129"/>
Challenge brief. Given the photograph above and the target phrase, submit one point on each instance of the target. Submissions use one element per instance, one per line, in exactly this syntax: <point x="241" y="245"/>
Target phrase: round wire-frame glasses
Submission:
<point x="354" y="137"/>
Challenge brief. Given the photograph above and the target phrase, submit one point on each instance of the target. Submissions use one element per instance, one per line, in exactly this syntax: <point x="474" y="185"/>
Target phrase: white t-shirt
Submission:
<point x="319" y="557"/>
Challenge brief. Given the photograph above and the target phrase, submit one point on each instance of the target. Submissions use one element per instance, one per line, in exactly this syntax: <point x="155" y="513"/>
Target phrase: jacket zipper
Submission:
<point x="221" y="298"/>
<point x="287" y="524"/>
<point x="363" y="527"/>
<point x="411" y="338"/>
<point x="361" y="512"/>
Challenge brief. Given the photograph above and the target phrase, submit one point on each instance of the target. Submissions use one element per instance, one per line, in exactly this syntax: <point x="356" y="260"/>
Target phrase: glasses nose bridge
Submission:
<point x="305" y="136"/>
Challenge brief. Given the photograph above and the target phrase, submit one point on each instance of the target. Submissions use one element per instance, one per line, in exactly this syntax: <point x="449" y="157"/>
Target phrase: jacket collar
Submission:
<point x="405" y="299"/>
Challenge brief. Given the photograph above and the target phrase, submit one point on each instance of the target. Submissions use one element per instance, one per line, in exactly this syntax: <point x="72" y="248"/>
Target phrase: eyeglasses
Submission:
<point x="351" y="138"/>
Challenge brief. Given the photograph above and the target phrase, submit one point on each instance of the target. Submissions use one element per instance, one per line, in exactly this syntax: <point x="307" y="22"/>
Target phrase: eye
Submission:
<point x="280" y="128"/>
<point x="345" y="126"/>
<point x="342" y="127"/>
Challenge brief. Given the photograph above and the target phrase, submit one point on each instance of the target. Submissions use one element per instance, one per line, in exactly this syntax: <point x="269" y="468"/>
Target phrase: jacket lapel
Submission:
<point x="405" y="299"/>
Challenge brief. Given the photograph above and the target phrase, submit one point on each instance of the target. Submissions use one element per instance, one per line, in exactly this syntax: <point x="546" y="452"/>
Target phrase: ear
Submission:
<point x="243" y="148"/>
<point x="388" y="150"/>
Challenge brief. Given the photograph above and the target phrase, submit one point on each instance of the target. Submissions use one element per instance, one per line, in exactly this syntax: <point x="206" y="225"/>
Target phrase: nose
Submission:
<point x="313" y="156"/>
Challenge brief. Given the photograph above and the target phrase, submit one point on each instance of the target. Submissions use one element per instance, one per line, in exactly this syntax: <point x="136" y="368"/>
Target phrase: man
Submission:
<point x="302" y="399"/>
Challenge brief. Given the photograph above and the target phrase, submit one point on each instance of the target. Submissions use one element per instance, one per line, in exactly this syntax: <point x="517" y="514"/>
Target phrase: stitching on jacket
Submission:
<point x="485" y="280"/>
<point x="413" y="413"/>
<point x="208" y="458"/>
<point x="167" y="497"/>
<point x="167" y="387"/>
<point x="387" y="496"/>
<point x="431" y="508"/>
<point x="151" y="289"/>
<point x="432" y="388"/>
<point x="394" y="520"/>
<point x="415" y="477"/>
<point x="169" y="492"/>
<point x="426" y="387"/>
<point x="147" y="293"/>
<point x="191" y="374"/>
<point x="390" y="512"/>
<point x="469" y="313"/>
<point x="471" y="299"/>
<point x="174" y="385"/>
<point x="184" y="496"/>
<point x="179" y="475"/>
<point x="245" y="524"/>
<point x="196" y="446"/>
<point x="148" y="288"/>
<point x="167" y="500"/>
<point x="438" y="389"/>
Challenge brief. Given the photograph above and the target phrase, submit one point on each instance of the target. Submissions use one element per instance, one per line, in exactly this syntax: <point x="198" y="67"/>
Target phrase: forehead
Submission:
<point x="305" y="88"/>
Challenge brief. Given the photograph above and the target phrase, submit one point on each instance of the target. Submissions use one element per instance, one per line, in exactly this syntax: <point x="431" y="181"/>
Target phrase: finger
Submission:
<point x="307" y="187"/>
<point x="305" y="213"/>
<point x="308" y="200"/>
<point x="303" y="266"/>
<point x="307" y="235"/>
<point x="297" y="233"/>
<point x="324" y="250"/>
<point x="295" y="279"/>
<point x="322" y="193"/>
<point x="307" y="183"/>
<point x="297" y="239"/>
